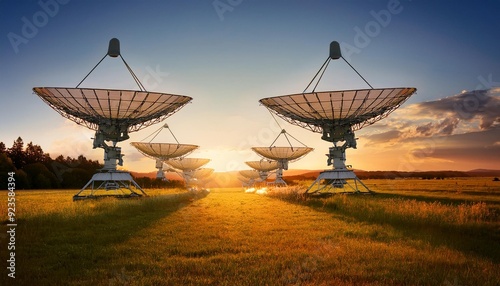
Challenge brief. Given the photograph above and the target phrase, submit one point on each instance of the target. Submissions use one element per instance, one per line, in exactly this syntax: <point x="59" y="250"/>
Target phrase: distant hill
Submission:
<point x="310" y="174"/>
<point x="484" y="173"/>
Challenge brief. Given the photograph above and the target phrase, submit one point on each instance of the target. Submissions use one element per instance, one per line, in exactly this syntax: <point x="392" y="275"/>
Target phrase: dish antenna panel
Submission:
<point x="113" y="114"/>
<point x="336" y="115"/>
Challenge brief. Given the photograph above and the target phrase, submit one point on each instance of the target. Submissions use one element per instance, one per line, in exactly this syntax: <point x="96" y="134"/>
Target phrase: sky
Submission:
<point x="228" y="54"/>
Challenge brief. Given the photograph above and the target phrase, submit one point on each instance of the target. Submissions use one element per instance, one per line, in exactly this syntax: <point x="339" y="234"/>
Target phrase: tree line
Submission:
<point x="35" y="169"/>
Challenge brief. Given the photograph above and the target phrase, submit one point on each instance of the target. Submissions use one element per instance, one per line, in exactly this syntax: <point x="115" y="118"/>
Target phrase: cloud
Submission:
<point x="469" y="111"/>
<point x="384" y="136"/>
<point x="462" y="129"/>
<point x="72" y="140"/>
<point x="444" y="127"/>
<point x="480" y="105"/>
<point x="478" y="148"/>
<point x="462" y="155"/>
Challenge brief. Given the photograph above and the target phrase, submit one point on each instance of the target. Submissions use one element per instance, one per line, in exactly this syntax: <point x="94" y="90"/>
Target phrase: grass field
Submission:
<point x="413" y="232"/>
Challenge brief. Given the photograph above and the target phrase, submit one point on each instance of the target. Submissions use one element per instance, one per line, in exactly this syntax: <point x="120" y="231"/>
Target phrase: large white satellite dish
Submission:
<point x="113" y="114"/>
<point x="337" y="114"/>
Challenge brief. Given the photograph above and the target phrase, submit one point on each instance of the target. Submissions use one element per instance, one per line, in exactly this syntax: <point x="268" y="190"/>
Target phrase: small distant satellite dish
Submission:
<point x="190" y="168"/>
<point x="249" y="174"/>
<point x="282" y="155"/>
<point x="187" y="164"/>
<point x="248" y="177"/>
<point x="263" y="167"/>
<point x="202" y="173"/>
<point x="163" y="151"/>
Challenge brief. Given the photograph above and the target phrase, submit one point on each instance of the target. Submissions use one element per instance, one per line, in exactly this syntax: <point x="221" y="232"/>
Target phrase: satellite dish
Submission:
<point x="248" y="177"/>
<point x="249" y="174"/>
<point x="203" y="173"/>
<point x="333" y="113"/>
<point x="263" y="167"/>
<point x="188" y="167"/>
<point x="282" y="155"/>
<point x="337" y="114"/>
<point x="187" y="164"/>
<point x="113" y="114"/>
<point x="163" y="151"/>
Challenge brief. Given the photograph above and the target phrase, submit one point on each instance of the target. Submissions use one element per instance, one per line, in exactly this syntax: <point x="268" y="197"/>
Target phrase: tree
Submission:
<point x="40" y="177"/>
<point x="16" y="153"/>
<point x="6" y="166"/>
<point x="34" y="154"/>
<point x="36" y="169"/>
<point x="75" y="178"/>
<point x="22" y="181"/>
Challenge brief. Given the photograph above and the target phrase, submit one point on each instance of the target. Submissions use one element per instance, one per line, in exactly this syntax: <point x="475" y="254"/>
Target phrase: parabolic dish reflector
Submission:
<point x="263" y="165"/>
<point x="163" y="151"/>
<point x="282" y="153"/>
<point x="355" y="108"/>
<point x="187" y="164"/>
<point x="131" y="109"/>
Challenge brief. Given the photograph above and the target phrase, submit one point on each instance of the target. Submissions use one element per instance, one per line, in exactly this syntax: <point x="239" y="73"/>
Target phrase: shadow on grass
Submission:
<point x="481" y="240"/>
<point x="59" y="248"/>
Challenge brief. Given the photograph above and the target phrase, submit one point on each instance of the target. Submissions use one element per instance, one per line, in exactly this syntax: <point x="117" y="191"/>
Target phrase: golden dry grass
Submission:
<point x="234" y="238"/>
